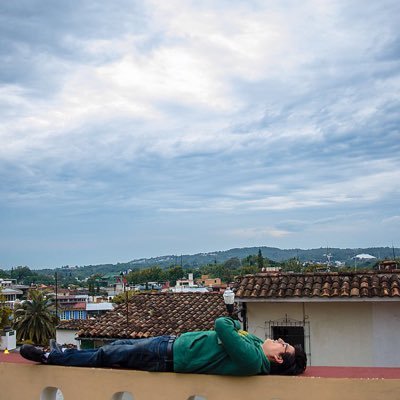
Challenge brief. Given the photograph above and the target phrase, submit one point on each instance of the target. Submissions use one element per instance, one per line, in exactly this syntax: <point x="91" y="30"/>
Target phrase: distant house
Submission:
<point x="66" y="331"/>
<point x="188" y="285"/>
<point x="154" y="314"/>
<point x="83" y="310"/>
<point x="341" y="319"/>
<point x="213" y="284"/>
<point x="387" y="265"/>
<point x="7" y="283"/>
<point x="11" y="296"/>
<point x="12" y="292"/>
<point x="205" y="280"/>
<point x="94" y="310"/>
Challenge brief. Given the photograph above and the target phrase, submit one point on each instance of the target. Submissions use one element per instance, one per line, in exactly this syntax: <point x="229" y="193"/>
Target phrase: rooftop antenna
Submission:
<point x="328" y="256"/>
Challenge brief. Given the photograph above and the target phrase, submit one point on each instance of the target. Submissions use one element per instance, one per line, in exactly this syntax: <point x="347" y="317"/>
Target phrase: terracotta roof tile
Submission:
<point x="76" y="324"/>
<point x="154" y="314"/>
<point x="322" y="284"/>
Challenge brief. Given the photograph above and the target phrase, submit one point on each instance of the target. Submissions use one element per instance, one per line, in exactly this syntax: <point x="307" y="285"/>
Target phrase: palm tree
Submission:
<point x="34" y="320"/>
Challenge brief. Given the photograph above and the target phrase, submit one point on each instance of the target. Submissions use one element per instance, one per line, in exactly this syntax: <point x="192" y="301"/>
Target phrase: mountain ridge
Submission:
<point x="316" y="255"/>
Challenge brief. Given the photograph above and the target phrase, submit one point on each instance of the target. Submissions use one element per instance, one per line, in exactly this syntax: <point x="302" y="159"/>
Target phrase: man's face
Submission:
<point x="273" y="349"/>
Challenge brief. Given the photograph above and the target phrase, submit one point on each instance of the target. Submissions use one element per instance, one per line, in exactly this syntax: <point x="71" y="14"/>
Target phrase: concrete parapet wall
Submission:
<point x="39" y="382"/>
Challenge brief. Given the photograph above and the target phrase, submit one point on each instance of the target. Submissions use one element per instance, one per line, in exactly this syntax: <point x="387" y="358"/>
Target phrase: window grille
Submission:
<point x="291" y="330"/>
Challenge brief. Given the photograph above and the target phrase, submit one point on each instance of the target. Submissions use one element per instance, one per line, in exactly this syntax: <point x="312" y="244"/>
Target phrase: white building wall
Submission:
<point x="385" y="334"/>
<point x="65" y="336"/>
<point x="8" y="340"/>
<point x="341" y="334"/>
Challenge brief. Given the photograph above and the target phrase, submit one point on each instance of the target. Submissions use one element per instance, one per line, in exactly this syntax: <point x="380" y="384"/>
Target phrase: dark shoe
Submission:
<point x="54" y="346"/>
<point x="32" y="353"/>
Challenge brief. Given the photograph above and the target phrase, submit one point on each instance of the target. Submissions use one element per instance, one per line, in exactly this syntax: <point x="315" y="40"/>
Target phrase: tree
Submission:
<point x="91" y="288"/>
<point x="122" y="298"/>
<point x="5" y="313"/>
<point x="232" y="263"/>
<point x="293" y="265"/>
<point x="174" y="273"/>
<point x="21" y="274"/>
<point x="249" y="270"/>
<point x="4" y="274"/>
<point x="35" y="320"/>
<point x="260" y="260"/>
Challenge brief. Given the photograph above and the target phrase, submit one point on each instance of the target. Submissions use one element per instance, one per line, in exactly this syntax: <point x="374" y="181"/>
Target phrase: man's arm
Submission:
<point x="239" y="350"/>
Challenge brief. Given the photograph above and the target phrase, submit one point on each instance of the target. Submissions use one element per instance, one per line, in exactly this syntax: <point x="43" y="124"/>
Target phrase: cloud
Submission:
<point x="285" y="113"/>
<point x="394" y="220"/>
<point x="259" y="234"/>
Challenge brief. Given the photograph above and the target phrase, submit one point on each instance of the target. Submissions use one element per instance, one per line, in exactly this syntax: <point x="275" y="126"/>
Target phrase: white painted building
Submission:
<point x="355" y="323"/>
<point x="341" y="333"/>
<point x="188" y="285"/>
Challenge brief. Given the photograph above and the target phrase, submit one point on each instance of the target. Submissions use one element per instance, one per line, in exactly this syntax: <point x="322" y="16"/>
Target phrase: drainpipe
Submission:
<point x="244" y="315"/>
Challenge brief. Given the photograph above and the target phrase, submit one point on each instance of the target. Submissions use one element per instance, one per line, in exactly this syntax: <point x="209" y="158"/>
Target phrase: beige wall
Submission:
<point x="39" y="382"/>
<point x="341" y="334"/>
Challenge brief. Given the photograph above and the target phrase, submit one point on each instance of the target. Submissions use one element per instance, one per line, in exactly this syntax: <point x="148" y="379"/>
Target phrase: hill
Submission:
<point x="196" y="260"/>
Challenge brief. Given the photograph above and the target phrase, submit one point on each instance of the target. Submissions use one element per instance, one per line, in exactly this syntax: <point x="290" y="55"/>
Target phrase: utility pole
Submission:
<point x="55" y="277"/>
<point x="126" y="299"/>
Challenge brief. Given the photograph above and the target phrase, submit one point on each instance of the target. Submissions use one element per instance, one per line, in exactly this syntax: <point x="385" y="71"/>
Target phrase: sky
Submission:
<point x="133" y="129"/>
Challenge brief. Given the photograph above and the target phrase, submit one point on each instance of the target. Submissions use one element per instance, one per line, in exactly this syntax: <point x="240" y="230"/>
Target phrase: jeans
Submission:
<point x="142" y="354"/>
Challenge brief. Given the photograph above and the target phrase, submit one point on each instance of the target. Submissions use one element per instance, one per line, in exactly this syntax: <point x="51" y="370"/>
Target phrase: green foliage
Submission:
<point x="123" y="297"/>
<point x="4" y="274"/>
<point x="91" y="287"/>
<point x="198" y="263"/>
<point x="293" y="265"/>
<point x="153" y="274"/>
<point x="26" y="276"/>
<point x="174" y="273"/>
<point x="34" y="320"/>
<point x="5" y="313"/>
<point x="260" y="260"/>
<point x="248" y="269"/>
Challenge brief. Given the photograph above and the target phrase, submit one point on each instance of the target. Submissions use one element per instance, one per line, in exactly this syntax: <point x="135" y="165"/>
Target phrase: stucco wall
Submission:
<point x="341" y="334"/>
<point x="34" y="382"/>
<point x="386" y="334"/>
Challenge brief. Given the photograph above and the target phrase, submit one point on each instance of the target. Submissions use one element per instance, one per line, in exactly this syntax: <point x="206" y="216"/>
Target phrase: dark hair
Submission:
<point x="293" y="364"/>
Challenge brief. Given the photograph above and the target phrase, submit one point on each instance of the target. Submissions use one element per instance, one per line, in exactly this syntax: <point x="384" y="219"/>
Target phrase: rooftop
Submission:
<point x="154" y="314"/>
<point x="76" y="324"/>
<point x="327" y="285"/>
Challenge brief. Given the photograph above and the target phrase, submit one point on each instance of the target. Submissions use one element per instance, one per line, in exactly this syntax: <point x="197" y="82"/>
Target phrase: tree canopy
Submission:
<point x="35" y="319"/>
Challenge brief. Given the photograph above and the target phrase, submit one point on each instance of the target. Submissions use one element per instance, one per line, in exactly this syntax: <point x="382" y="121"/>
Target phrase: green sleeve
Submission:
<point x="239" y="350"/>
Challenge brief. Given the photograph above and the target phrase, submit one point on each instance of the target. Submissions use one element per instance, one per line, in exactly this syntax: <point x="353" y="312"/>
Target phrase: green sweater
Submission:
<point x="225" y="351"/>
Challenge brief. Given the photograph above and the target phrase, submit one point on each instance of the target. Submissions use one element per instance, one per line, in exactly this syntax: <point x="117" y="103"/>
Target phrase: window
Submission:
<point x="290" y="334"/>
<point x="291" y="331"/>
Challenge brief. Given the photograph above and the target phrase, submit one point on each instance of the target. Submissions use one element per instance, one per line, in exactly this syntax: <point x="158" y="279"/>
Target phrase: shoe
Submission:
<point x="54" y="346"/>
<point x="32" y="353"/>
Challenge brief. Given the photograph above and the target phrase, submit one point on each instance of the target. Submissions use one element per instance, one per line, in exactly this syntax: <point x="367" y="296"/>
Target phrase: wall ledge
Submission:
<point x="35" y="381"/>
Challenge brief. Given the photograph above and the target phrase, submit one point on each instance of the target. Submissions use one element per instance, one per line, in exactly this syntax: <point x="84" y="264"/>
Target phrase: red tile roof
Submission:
<point x="154" y="314"/>
<point x="76" y="324"/>
<point x="327" y="285"/>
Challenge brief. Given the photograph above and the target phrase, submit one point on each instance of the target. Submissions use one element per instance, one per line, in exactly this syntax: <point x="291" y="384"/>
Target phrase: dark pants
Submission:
<point x="151" y="354"/>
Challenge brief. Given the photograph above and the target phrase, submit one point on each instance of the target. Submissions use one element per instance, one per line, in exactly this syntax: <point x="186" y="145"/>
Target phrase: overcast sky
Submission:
<point x="137" y="129"/>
